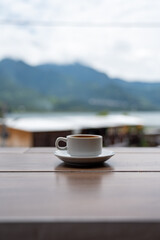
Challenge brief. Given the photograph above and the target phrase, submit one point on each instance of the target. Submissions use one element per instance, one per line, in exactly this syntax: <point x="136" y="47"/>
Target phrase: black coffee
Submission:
<point x="84" y="136"/>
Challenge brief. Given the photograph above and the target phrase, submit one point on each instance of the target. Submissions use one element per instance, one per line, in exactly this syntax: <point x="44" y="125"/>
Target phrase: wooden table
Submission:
<point x="42" y="198"/>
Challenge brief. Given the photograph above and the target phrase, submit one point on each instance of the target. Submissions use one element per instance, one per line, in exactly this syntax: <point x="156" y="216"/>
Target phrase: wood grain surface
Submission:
<point x="31" y="160"/>
<point x="42" y="198"/>
<point x="82" y="196"/>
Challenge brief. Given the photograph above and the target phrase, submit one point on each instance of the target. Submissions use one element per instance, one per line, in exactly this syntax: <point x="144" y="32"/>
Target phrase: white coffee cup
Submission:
<point x="81" y="144"/>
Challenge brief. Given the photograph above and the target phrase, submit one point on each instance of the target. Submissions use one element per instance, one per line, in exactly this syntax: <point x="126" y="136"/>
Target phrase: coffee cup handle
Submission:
<point x="59" y="139"/>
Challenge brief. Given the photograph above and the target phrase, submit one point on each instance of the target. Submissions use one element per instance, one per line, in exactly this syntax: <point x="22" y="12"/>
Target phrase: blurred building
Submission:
<point x="116" y="130"/>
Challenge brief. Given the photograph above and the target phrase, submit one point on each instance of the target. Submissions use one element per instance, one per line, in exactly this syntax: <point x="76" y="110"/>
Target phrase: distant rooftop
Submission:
<point x="74" y="123"/>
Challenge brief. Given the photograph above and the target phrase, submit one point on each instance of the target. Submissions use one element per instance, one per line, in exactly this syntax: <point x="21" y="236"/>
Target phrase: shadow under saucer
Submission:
<point x="94" y="166"/>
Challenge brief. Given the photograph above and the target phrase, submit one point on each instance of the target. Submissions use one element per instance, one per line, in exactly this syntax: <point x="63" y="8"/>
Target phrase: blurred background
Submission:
<point x="79" y="67"/>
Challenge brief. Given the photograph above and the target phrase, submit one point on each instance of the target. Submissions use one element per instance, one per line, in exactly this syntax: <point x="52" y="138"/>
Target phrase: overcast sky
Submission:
<point x="132" y="53"/>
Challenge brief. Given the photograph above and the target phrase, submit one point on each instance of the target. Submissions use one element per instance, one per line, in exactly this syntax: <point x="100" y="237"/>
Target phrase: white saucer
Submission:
<point x="89" y="160"/>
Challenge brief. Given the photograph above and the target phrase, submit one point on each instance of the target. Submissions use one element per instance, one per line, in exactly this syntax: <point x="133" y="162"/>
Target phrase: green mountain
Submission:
<point x="73" y="87"/>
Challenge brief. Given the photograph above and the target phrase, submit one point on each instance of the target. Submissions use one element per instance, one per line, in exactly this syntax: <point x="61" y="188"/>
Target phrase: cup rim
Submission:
<point x="83" y="136"/>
